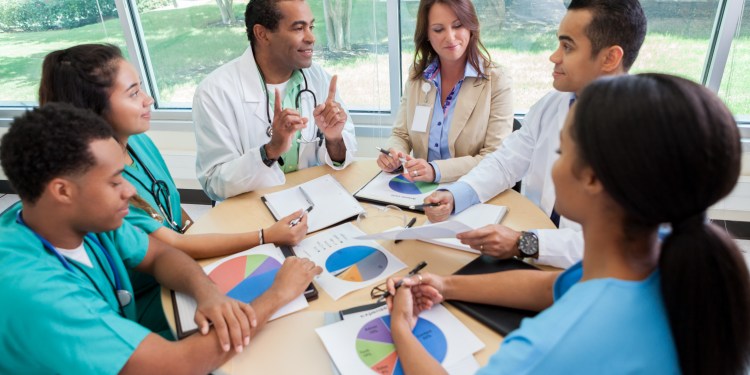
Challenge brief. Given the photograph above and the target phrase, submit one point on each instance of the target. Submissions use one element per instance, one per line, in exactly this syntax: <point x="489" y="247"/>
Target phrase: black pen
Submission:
<point x="409" y="225"/>
<point x="411" y="273"/>
<point x="422" y="206"/>
<point x="384" y="152"/>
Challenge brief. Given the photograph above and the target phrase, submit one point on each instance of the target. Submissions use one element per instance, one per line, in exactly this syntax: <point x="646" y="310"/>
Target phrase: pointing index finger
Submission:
<point x="332" y="89"/>
<point x="276" y="102"/>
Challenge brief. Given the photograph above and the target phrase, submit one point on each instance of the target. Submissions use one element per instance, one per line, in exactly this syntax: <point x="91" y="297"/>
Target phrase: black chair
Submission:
<point x="516" y="126"/>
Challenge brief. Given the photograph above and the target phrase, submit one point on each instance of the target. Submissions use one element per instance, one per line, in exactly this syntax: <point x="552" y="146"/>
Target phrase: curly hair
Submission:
<point x="49" y="142"/>
<point x="81" y="75"/>
<point x="261" y="12"/>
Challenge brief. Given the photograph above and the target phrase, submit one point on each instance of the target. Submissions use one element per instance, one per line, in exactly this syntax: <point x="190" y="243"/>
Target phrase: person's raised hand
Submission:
<point x="286" y="123"/>
<point x="330" y="116"/>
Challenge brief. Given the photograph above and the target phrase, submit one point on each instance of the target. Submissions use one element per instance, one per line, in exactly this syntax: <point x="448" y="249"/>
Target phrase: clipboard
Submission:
<point x="500" y="319"/>
<point x="311" y="293"/>
<point x="398" y="199"/>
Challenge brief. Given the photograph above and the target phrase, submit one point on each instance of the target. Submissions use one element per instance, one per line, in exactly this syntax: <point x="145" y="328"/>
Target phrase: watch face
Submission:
<point x="528" y="244"/>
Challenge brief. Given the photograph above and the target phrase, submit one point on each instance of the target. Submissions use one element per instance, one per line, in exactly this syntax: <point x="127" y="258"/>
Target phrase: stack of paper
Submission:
<point x="362" y="343"/>
<point x="243" y="276"/>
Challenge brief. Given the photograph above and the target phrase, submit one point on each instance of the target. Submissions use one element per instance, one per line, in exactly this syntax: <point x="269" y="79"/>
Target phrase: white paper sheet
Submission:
<point x="186" y="305"/>
<point x="393" y="188"/>
<point x="332" y="202"/>
<point x="338" y="253"/>
<point x="476" y="216"/>
<point x="445" y="229"/>
<point x="358" y="345"/>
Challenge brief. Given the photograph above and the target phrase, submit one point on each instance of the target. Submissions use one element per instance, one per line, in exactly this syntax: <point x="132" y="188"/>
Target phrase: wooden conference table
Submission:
<point x="289" y="344"/>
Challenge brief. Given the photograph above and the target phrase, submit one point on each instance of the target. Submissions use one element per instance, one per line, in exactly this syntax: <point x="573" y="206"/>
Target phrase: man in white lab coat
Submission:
<point x="271" y="111"/>
<point x="596" y="38"/>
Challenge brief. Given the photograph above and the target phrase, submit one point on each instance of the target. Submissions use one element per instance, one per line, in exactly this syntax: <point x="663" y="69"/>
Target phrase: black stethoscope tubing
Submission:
<point x="154" y="182"/>
<point x="123" y="296"/>
<point x="269" y="129"/>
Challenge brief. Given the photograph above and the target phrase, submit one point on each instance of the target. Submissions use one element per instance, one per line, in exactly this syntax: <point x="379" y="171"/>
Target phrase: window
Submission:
<point x="735" y="84"/>
<point x="187" y="40"/>
<point x="29" y="30"/>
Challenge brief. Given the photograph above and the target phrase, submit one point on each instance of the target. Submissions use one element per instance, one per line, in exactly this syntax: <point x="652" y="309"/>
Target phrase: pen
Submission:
<point x="384" y="152"/>
<point x="422" y="206"/>
<point x="409" y="225"/>
<point x="307" y="198"/>
<point x="297" y="220"/>
<point x="411" y="273"/>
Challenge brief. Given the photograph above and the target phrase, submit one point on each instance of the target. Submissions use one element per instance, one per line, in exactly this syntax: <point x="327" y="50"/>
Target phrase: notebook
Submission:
<point x="500" y="319"/>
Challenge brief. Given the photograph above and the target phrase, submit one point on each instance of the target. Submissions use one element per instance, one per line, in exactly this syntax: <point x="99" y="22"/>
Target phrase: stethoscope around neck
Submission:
<point x="124" y="297"/>
<point x="269" y="130"/>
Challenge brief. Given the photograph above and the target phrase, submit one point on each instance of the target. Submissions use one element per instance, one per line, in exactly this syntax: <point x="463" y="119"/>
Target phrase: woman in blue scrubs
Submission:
<point x="635" y="152"/>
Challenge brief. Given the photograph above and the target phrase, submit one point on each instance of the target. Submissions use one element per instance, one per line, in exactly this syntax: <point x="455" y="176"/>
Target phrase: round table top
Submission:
<point x="246" y="212"/>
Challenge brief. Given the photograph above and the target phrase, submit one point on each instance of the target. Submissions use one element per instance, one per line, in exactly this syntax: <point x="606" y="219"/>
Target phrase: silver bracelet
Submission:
<point x="260" y="236"/>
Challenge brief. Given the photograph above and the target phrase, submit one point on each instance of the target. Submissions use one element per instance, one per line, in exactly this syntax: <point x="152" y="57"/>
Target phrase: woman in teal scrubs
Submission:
<point x="635" y="152"/>
<point x="97" y="77"/>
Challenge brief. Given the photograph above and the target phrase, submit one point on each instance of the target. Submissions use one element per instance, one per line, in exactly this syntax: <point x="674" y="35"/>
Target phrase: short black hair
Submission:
<point x="261" y="12"/>
<point x="81" y="75"/>
<point x="615" y="23"/>
<point x="49" y="142"/>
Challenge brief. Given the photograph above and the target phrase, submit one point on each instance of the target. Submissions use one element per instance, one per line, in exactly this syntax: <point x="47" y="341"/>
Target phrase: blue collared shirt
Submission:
<point x="438" y="144"/>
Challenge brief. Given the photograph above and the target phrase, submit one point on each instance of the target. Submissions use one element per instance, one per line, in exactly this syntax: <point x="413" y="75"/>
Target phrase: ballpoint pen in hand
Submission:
<point x="383" y="151"/>
<point x="297" y="220"/>
<point x="411" y="273"/>
<point x="422" y="206"/>
<point x="409" y="225"/>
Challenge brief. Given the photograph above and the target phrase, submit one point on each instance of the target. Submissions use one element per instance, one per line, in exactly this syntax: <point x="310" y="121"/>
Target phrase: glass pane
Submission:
<point x="30" y="29"/>
<point x="735" y="84"/>
<point x="521" y="35"/>
<point x="188" y="39"/>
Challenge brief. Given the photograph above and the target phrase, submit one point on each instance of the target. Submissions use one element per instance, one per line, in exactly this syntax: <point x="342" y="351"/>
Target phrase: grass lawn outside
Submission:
<point x="185" y="44"/>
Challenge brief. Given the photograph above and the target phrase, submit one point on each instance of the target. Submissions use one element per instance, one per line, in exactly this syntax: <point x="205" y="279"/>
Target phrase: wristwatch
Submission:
<point x="528" y="245"/>
<point x="269" y="162"/>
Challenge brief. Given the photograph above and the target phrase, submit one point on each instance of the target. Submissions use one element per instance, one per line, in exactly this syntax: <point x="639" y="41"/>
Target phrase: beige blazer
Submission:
<point x="482" y="118"/>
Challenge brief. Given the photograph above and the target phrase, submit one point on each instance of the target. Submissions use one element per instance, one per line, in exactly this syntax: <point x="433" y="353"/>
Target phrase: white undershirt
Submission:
<point x="281" y="87"/>
<point x="78" y="254"/>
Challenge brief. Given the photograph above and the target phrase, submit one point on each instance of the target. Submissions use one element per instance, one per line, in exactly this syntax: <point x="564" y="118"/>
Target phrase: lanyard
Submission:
<point x="124" y="297"/>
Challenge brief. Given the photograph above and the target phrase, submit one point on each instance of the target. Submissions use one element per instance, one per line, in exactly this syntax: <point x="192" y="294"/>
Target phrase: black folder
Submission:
<point x="500" y="319"/>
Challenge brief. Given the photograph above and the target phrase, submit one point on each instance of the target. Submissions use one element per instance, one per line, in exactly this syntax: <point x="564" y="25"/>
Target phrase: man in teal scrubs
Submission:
<point x="64" y="256"/>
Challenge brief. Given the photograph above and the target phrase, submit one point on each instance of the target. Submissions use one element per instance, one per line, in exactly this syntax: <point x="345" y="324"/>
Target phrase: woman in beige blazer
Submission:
<point x="457" y="106"/>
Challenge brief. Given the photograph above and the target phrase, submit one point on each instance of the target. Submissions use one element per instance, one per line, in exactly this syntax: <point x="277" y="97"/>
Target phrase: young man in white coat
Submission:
<point x="272" y="110"/>
<point x="596" y="38"/>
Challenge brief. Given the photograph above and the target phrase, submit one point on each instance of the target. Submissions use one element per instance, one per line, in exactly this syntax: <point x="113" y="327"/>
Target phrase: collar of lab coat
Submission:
<point x="252" y="89"/>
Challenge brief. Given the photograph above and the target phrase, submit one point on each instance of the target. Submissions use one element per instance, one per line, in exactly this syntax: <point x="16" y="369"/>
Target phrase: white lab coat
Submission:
<point x="529" y="153"/>
<point x="229" y="113"/>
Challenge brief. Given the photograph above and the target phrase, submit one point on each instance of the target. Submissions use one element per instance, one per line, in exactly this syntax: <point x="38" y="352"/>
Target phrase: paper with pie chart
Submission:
<point x="348" y="264"/>
<point x="390" y="188"/>
<point x="363" y="344"/>
<point x="243" y="276"/>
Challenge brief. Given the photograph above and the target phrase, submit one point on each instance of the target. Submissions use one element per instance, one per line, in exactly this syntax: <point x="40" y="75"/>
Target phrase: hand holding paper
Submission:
<point x="446" y="229"/>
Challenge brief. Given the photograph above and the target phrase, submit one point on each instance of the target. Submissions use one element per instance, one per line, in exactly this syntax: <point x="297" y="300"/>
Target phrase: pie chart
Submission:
<point x="375" y="345"/>
<point x="247" y="277"/>
<point x="401" y="185"/>
<point x="356" y="263"/>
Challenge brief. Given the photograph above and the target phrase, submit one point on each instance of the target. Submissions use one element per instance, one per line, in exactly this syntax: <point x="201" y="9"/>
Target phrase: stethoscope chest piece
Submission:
<point x="124" y="297"/>
<point x="269" y="131"/>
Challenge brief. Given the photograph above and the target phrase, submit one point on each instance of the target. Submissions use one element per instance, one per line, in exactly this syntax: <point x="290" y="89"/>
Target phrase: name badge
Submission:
<point x="421" y="118"/>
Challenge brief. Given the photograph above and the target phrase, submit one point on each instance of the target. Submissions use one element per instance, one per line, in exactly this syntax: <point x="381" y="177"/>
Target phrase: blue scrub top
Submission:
<point x="55" y="320"/>
<point x="600" y="326"/>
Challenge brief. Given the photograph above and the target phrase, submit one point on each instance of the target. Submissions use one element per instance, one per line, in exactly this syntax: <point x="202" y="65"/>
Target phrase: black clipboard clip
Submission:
<point x="311" y="293"/>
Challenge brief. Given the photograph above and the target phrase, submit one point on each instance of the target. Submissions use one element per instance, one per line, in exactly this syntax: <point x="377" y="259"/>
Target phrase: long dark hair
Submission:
<point x="81" y="75"/>
<point x="424" y="53"/>
<point x="665" y="150"/>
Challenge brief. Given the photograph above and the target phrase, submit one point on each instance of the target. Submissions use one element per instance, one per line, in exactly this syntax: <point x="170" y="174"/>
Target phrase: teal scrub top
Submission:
<point x="136" y="175"/>
<point x="55" y="320"/>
